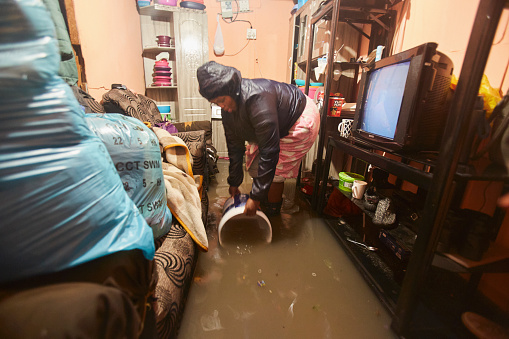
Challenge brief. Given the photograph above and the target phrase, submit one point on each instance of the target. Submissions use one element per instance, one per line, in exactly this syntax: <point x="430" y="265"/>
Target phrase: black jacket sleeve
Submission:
<point x="236" y="149"/>
<point x="263" y="113"/>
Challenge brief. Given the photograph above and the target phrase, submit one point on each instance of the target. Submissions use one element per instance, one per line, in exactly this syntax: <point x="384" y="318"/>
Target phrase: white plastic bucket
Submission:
<point x="236" y="227"/>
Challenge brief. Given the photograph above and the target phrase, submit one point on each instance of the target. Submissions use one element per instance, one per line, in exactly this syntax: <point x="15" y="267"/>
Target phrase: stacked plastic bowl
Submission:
<point x="162" y="73"/>
<point x="143" y="3"/>
<point x="193" y="4"/>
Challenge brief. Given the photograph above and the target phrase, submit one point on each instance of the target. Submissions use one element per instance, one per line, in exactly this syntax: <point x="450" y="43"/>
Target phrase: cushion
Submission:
<point x="195" y="141"/>
<point x="196" y="126"/>
<point x="175" y="263"/>
<point x="87" y="101"/>
<point x="137" y="106"/>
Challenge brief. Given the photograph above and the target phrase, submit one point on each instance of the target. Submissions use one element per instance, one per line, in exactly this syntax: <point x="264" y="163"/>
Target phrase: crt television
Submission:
<point x="403" y="101"/>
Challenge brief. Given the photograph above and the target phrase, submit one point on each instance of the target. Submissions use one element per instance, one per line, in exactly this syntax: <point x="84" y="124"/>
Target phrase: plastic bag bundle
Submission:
<point x="134" y="149"/>
<point x="490" y="95"/>
<point x="63" y="202"/>
<point x="218" y="40"/>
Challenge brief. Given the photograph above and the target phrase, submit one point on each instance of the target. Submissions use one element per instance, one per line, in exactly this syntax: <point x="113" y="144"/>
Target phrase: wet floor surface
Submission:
<point x="302" y="285"/>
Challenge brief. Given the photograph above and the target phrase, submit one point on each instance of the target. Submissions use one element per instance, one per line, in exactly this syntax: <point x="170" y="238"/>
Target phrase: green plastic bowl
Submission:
<point x="346" y="180"/>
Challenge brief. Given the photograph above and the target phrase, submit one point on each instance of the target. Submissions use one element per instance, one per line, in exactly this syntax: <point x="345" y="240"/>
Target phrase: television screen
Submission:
<point x="382" y="102"/>
<point x="403" y="101"/>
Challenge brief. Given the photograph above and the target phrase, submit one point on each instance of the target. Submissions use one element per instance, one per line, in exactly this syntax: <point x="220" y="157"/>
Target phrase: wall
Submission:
<point x="110" y="37"/>
<point x="111" y="41"/>
<point x="449" y="23"/>
<point x="265" y="57"/>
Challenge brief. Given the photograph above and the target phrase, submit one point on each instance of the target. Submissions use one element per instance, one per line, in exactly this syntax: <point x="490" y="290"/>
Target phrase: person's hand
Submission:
<point x="233" y="191"/>
<point x="251" y="207"/>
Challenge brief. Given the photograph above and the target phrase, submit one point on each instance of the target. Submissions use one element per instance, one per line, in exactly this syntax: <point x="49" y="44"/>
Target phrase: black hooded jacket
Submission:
<point x="266" y="110"/>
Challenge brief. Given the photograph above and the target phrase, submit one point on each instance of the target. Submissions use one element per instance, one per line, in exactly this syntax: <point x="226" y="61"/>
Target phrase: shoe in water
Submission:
<point x="271" y="208"/>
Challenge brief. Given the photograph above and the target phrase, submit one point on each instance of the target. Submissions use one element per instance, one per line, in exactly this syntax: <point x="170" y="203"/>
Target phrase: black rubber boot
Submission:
<point x="271" y="208"/>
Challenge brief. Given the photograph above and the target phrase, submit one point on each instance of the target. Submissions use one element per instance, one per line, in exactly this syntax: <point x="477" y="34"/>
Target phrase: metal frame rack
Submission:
<point x="442" y="182"/>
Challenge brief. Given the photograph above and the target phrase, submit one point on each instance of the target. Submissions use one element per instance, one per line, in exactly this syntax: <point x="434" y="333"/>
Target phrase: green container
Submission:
<point x="346" y="180"/>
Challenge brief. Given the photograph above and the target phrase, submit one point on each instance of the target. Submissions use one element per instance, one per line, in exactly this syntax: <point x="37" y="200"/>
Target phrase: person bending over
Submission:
<point x="278" y="121"/>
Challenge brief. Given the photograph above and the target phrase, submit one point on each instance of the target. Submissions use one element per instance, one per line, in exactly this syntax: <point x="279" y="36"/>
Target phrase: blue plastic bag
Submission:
<point x="62" y="200"/>
<point x="134" y="149"/>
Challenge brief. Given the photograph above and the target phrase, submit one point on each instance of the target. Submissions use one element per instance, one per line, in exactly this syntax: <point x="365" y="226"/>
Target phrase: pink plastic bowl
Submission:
<point x="167" y="2"/>
<point x="162" y="62"/>
<point x="161" y="79"/>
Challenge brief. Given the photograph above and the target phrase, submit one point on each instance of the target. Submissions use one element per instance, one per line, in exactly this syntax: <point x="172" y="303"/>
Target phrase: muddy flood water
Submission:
<point x="301" y="285"/>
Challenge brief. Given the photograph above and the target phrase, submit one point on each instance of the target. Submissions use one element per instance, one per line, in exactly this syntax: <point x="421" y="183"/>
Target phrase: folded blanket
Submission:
<point x="182" y="188"/>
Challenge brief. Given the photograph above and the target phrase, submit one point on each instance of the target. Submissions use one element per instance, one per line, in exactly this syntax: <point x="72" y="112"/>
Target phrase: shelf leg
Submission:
<point x="320" y="190"/>
<point x="473" y="282"/>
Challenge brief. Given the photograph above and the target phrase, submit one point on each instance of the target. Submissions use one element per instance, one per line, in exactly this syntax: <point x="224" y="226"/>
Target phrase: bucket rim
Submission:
<point x="238" y="211"/>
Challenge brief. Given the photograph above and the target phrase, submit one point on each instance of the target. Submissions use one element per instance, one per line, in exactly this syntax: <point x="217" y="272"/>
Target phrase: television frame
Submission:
<point x="424" y="107"/>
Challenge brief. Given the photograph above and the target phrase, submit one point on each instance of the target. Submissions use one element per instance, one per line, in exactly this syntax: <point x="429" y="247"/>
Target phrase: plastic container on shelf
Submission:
<point x="300" y="82"/>
<point x="164" y="41"/>
<point x="301" y="3"/>
<point x="346" y="180"/>
<point x="164" y="109"/>
<point x="162" y="63"/>
<point x="142" y="3"/>
<point x="335" y="105"/>
<point x="167" y="2"/>
<point x="192" y="5"/>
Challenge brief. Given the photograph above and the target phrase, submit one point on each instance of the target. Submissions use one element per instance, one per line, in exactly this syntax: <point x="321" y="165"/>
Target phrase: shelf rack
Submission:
<point x="157" y="9"/>
<point x="382" y="21"/>
<point x="440" y="182"/>
<point x="189" y="50"/>
<point x="374" y="267"/>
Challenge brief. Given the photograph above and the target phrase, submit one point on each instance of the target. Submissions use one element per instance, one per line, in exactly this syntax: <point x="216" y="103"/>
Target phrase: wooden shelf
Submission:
<point x="161" y="87"/>
<point x="342" y="64"/>
<point x="162" y="10"/>
<point x="156" y="50"/>
<point x="365" y="152"/>
<point x="181" y="24"/>
<point x="495" y="260"/>
<point x="156" y="9"/>
<point x="375" y="271"/>
<point x="482" y="170"/>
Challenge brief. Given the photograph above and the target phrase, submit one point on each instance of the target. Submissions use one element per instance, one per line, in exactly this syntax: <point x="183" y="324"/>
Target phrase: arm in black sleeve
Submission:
<point x="236" y="149"/>
<point x="263" y="113"/>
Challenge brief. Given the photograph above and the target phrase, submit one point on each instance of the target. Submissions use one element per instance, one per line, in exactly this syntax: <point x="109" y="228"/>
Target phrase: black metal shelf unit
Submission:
<point x="374" y="13"/>
<point x="440" y="182"/>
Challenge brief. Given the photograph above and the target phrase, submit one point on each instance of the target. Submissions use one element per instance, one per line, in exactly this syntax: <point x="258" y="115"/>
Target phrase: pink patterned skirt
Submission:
<point x="293" y="147"/>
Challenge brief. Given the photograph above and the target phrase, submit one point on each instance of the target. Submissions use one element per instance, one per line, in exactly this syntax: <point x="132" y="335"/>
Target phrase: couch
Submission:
<point x="176" y="252"/>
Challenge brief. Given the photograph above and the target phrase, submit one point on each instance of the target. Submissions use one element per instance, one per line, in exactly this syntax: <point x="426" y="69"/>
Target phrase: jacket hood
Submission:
<point x="217" y="80"/>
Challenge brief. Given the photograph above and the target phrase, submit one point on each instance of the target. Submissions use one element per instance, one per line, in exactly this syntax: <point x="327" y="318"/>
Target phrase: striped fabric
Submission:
<point x="195" y="141"/>
<point x="134" y="105"/>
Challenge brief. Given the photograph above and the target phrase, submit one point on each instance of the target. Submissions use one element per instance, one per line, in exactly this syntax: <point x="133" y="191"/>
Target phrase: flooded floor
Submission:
<point x="302" y="285"/>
